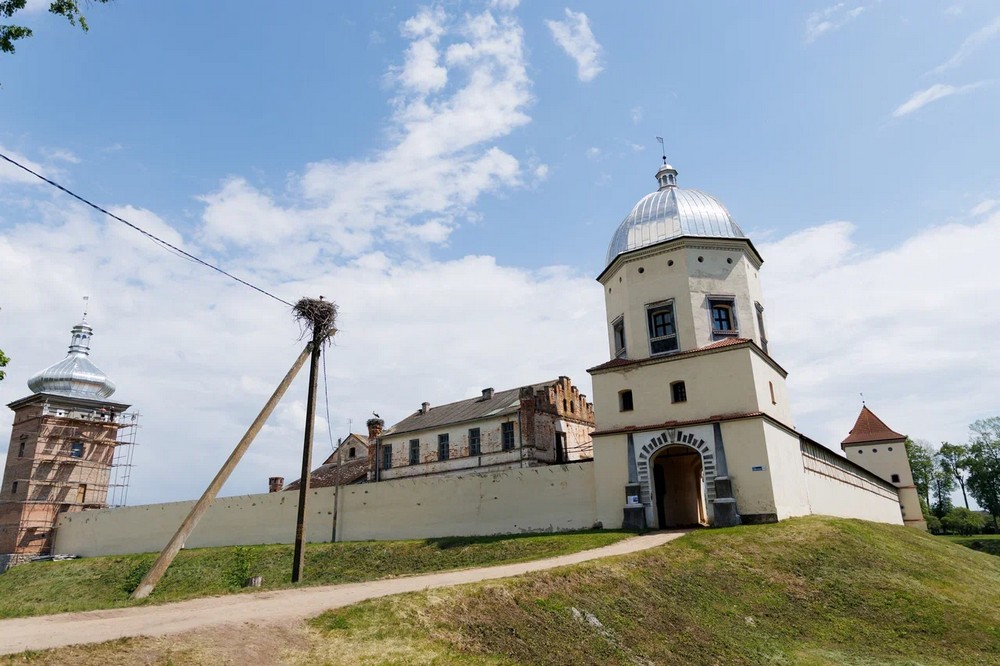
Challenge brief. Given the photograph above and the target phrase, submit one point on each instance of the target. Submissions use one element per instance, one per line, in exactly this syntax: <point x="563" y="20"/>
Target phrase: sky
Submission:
<point x="451" y="174"/>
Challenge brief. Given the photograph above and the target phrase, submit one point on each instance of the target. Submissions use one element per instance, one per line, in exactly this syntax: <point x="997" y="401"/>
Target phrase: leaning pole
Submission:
<point x="175" y="544"/>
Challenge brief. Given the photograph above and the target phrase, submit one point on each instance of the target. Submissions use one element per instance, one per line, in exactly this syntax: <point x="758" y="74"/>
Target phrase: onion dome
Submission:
<point x="672" y="212"/>
<point x="74" y="376"/>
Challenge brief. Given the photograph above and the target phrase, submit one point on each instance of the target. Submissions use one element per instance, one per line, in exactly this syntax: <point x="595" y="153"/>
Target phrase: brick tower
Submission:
<point x="62" y="448"/>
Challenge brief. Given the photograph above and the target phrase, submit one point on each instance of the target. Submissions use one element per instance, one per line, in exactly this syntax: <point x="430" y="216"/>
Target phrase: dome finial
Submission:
<point x="666" y="176"/>
<point x="86" y="306"/>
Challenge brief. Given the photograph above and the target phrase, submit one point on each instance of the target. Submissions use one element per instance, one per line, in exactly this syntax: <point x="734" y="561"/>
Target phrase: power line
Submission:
<point x="326" y="394"/>
<point x="159" y="241"/>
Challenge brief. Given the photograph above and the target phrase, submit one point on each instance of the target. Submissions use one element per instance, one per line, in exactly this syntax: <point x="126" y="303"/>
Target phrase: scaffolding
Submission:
<point x="79" y="460"/>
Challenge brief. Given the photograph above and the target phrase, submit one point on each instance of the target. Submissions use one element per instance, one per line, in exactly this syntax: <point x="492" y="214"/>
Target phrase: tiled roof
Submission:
<point x="325" y="475"/>
<point x="677" y="424"/>
<point x="870" y="428"/>
<point x="624" y="362"/>
<point x="502" y="403"/>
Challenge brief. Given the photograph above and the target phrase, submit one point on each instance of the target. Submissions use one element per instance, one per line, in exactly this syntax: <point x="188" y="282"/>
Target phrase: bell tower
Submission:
<point x="691" y="405"/>
<point x="62" y="450"/>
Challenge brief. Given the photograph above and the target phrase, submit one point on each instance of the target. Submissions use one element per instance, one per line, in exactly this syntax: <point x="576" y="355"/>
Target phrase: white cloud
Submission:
<point x="984" y="207"/>
<point x="505" y="5"/>
<point x="636" y="114"/>
<point x="922" y="98"/>
<point x="593" y="153"/>
<point x="972" y="43"/>
<point x="830" y="19"/>
<point x="463" y="86"/>
<point x="12" y="174"/>
<point x="902" y="325"/>
<point x="575" y="37"/>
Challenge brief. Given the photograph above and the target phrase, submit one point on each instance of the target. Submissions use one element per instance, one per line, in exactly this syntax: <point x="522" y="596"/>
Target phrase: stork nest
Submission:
<point x="317" y="318"/>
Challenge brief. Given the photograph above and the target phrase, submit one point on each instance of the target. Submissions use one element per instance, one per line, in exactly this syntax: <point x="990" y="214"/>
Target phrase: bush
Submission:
<point x="963" y="521"/>
<point x="241" y="568"/>
<point x="933" y="524"/>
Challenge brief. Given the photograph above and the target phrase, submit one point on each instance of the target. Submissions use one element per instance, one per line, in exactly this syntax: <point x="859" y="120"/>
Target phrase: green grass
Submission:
<point x="987" y="543"/>
<point x="106" y="582"/>
<point x="806" y="591"/>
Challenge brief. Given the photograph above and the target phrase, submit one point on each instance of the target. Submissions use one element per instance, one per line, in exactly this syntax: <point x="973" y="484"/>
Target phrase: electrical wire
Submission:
<point x="159" y="241"/>
<point x="326" y="395"/>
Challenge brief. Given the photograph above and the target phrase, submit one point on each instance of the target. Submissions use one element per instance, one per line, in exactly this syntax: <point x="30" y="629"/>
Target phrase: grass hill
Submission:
<point x="812" y="591"/>
<point x="806" y="591"/>
<point x="106" y="582"/>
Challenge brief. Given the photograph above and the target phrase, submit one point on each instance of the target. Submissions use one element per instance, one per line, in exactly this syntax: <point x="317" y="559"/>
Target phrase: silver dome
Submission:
<point x="74" y="376"/>
<point x="671" y="212"/>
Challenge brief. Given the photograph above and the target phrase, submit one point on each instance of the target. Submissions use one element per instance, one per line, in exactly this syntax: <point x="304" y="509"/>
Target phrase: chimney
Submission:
<point x="275" y="484"/>
<point x="425" y="407"/>
<point x="374" y="431"/>
<point x="488" y="393"/>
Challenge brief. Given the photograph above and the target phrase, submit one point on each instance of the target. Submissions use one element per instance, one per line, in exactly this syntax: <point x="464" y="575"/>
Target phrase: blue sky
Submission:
<point x="452" y="173"/>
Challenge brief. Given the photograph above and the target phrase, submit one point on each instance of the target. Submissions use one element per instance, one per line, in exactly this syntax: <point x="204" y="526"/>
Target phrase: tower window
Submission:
<point x="76" y="449"/>
<point x="770" y="386"/>
<point x="895" y="478"/>
<point x="618" y="333"/>
<point x="474" y="442"/>
<point x="352" y="452"/>
<point x="678" y="392"/>
<point x="760" y="326"/>
<point x="386" y="456"/>
<point x="662" y="332"/>
<point x="444" y="447"/>
<point x="20" y="450"/>
<point x="13" y="488"/>
<point x="723" y="315"/>
<point x="414" y="451"/>
<point x="625" y="401"/>
<point x="507" y="436"/>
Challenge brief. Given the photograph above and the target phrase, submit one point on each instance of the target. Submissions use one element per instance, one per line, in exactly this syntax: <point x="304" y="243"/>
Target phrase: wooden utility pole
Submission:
<point x="336" y="488"/>
<point x="175" y="544"/>
<point x="319" y="317"/>
<point x="300" y="524"/>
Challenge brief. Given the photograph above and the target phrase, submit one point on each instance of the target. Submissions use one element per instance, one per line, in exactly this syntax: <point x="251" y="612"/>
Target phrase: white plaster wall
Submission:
<point x="835" y="489"/>
<point x="536" y="499"/>
<point x="720" y="382"/>
<point x="539" y="499"/>
<point x="239" y="520"/>
<point x="627" y="291"/>
<point x="788" y="481"/>
<point x="746" y="449"/>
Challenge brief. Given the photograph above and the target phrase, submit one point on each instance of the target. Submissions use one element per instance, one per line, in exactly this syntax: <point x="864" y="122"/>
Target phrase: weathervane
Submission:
<point x="86" y="306"/>
<point x="663" y="149"/>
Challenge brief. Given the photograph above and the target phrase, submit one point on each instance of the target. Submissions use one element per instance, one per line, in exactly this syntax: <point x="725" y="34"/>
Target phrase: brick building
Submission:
<point x="63" y="446"/>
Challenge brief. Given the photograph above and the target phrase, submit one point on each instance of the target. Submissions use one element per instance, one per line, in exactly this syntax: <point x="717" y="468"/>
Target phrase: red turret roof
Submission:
<point x="869" y="428"/>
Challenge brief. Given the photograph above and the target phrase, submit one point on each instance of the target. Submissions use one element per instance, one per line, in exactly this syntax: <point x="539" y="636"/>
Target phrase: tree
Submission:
<point x="983" y="464"/>
<point x="922" y="466"/>
<point x="4" y="360"/>
<point x="942" y="483"/>
<point x="962" y="521"/>
<point x="10" y="33"/>
<point x="953" y="462"/>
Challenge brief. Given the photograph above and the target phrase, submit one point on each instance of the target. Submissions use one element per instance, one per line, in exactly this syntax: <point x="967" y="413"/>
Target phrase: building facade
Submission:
<point x="62" y="449"/>
<point x="877" y="447"/>
<point x="542" y="424"/>
<point x="694" y="424"/>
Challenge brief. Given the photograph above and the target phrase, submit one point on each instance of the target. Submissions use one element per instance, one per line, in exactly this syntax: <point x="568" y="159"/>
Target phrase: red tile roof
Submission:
<point x="622" y="362"/>
<point x="677" y="424"/>
<point x="870" y="428"/>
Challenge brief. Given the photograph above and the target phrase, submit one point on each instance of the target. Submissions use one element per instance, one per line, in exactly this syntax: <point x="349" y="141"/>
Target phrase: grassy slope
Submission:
<point x="105" y="582"/>
<point x="806" y="591"/>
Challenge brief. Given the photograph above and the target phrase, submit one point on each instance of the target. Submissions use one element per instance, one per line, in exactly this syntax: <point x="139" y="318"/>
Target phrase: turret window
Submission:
<point x="678" y="392"/>
<point x="760" y="326"/>
<point x="625" y="401"/>
<point x="618" y="333"/>
<point x="76" y="449"/>
<point x="723" y="313"/>
<point x="662" y="331"/>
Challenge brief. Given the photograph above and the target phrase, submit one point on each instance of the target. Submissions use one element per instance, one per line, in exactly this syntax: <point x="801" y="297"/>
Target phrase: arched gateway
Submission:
<point x="676" y="472"/>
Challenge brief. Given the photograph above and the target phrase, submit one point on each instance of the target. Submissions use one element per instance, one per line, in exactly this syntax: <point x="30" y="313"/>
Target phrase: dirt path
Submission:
<point x="280" y="606"/>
